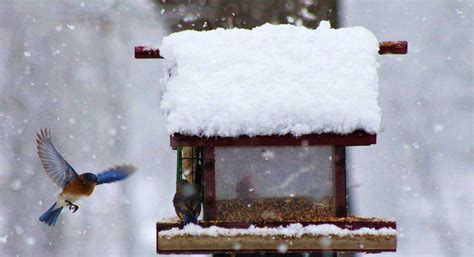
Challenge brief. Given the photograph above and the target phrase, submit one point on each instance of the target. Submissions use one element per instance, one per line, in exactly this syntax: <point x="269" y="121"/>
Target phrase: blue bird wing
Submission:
<point x="53" y="163"/>
<point x="116" y="173"/>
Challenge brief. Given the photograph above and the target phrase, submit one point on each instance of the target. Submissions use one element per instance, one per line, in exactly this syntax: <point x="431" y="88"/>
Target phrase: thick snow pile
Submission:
<point x="292" y="230"/>
<point x="272" y="80"/>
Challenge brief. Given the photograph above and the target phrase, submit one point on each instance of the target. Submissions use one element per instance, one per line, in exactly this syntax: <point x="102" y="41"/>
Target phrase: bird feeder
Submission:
<point x="260" y="121"/>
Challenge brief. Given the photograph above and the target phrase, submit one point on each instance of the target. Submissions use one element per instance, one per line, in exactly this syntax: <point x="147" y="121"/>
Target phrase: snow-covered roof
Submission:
<point x="271" y="80"/>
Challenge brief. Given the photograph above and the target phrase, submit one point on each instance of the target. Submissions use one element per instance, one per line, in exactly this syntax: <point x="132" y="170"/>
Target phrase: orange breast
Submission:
<point x="78" y="187"/>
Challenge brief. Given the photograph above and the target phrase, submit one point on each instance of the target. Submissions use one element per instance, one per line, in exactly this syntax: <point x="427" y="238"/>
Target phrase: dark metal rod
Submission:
<point x="385" y="47"/>
<point x="143" y="52"/>
<point x="393" y="47"/>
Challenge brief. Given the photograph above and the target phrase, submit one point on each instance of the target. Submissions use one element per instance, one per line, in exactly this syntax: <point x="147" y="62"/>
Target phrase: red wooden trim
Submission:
<point x="333" y="251"/>
<point x="142" y="52"/>
<point x="209" y="184"/>
<point x="339" y="162"/>
<point x="393" y="47"/>
<point x="385" y="47"/>
<point x="158" y="229"/>
<point x="358" y="137"/>
<point x="343" y="222"/>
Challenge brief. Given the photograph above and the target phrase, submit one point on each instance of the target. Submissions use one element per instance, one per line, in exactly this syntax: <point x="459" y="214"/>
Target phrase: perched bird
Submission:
<point x="74" y="186"/>
<point x="187" y="202"/>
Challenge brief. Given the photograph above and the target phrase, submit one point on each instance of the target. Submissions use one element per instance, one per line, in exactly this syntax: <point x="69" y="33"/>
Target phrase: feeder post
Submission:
<point x="209" y="200"/>
<point x="339" y="162"/>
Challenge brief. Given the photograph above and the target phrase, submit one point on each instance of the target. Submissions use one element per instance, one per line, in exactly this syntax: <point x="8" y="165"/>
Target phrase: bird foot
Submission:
<point x="72" y="206"/>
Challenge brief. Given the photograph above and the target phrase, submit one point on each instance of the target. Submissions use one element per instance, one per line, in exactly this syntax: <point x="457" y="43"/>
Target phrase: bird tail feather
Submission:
<point x="51" y="215"/>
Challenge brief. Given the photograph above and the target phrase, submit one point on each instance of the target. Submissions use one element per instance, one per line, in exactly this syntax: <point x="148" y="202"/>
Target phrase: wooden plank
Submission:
<point x="342" y="222"/>
<point x="307" y="243"/>
<point x="339" y="162"/>
<point x="358" y="137"/>
<point x="158" y="229"/>
<point x="207" y="244"/>
<point x="209" y="184"/>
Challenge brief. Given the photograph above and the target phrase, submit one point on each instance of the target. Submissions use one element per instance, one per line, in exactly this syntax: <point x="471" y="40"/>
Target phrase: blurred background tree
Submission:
<point x="210" y="14"/>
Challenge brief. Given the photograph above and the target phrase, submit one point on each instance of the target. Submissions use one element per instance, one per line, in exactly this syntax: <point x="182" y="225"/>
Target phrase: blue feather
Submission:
<point x="51" y="215"/>
<point x="115" y="174"/>
<point x="187" y="202"/>
<point x="190" y="219"/>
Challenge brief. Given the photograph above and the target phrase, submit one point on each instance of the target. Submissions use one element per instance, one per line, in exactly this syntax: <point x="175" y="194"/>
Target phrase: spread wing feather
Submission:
<point x="53" y="163"/>
<point x="116" y="173"/>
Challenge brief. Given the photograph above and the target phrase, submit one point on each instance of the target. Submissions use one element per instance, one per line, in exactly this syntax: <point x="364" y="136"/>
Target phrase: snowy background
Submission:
<point x="69" y="66"/>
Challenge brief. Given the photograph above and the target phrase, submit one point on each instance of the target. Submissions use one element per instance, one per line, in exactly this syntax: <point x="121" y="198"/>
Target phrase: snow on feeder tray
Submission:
<point x="260" y="120"/>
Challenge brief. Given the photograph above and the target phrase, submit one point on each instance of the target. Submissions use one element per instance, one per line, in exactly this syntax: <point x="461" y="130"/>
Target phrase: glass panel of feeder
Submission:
<point x="274" y="183"/>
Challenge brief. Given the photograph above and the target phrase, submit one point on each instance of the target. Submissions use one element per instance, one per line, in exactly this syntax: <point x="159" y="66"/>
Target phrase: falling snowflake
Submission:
<point x="282" y="248"/>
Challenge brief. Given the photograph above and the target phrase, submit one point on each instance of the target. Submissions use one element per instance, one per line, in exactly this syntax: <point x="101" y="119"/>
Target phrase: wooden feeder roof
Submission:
<point x="274" y="80"/>
<point x="271" y="80"/>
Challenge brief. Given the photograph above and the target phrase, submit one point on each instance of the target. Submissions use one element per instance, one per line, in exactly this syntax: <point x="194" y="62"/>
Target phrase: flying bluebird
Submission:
<point x="187" y="202"/>
<point x="74" y="186"/>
